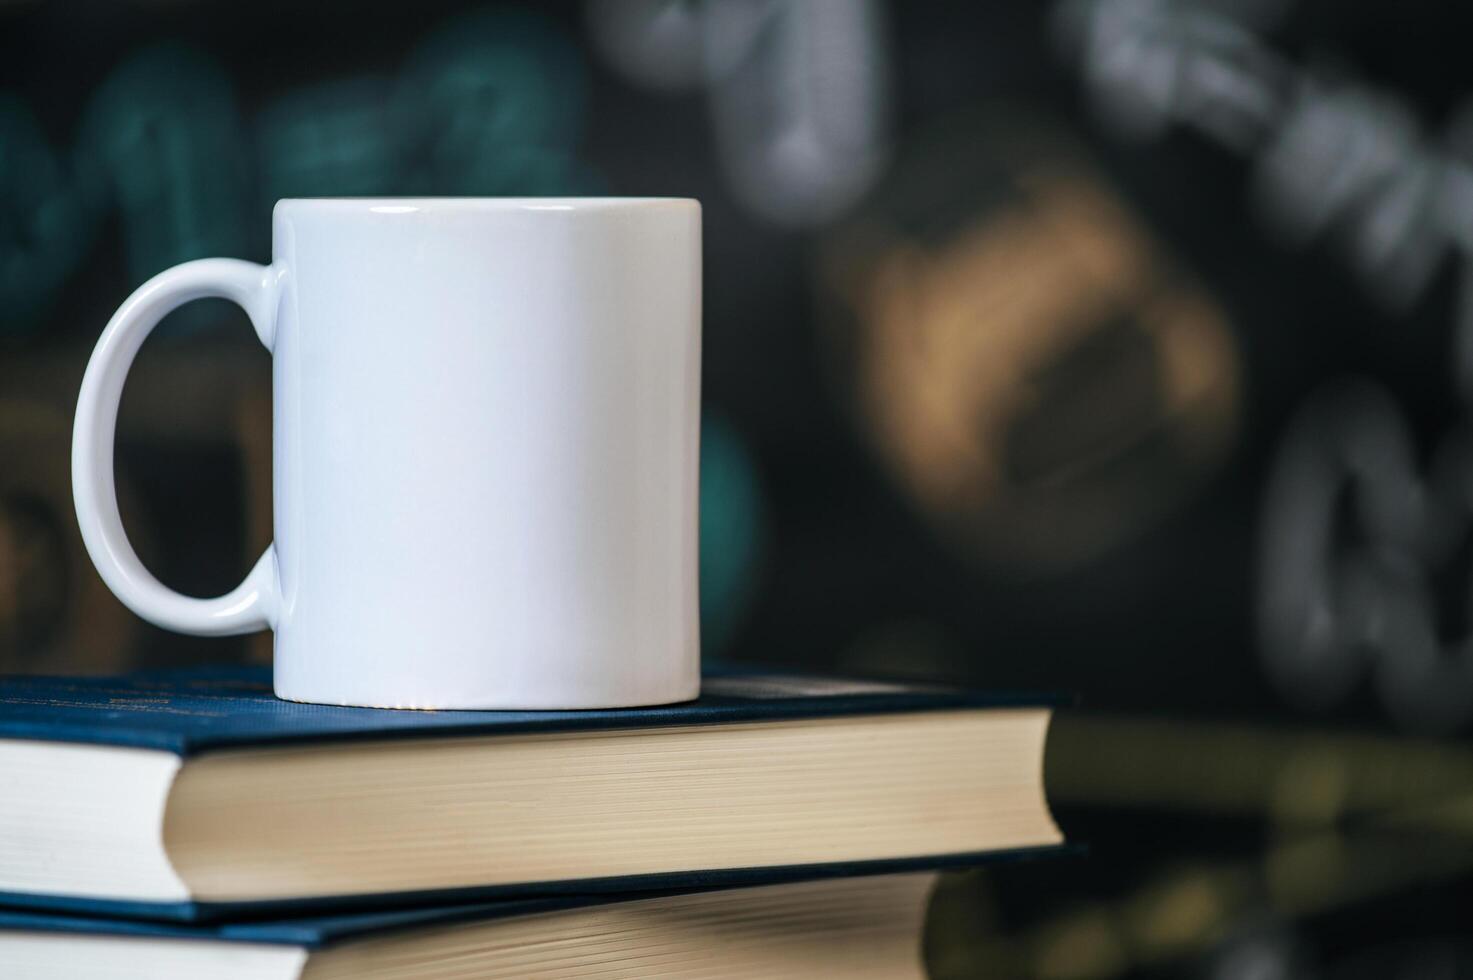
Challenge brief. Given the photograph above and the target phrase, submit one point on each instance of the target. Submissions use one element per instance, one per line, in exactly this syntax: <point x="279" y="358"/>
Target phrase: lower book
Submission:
<point x="864" y="927"/>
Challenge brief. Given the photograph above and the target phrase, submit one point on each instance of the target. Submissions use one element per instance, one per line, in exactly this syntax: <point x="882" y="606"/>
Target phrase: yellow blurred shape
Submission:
<point x="1311" y="787"/>
<point x="1248" y="770"/>
<point x="1176" y="915"/>
<point x="1080" y="946"/>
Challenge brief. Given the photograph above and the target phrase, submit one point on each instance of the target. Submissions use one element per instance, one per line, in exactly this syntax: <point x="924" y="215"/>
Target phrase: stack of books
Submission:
<point x="190" y="824"/>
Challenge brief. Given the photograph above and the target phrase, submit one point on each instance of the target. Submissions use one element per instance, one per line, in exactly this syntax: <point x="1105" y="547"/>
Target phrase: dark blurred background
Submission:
<point x="1113" y="347"/>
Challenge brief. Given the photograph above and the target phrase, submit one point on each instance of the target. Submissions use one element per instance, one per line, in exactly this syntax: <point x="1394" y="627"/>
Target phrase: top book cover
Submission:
<point x="195" y="710"/>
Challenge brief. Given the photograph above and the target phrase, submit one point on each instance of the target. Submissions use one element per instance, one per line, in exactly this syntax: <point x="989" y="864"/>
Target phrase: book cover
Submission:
<point x="870" y="927"/>
<point x="198" y="710"/>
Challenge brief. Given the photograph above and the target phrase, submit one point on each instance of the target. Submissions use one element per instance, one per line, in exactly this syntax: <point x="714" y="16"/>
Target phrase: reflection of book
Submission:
<point x="185" y="794"/>
<point x="861" y="927"/>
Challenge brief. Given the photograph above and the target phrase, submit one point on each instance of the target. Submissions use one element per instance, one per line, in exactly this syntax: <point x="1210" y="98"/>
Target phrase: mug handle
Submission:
<point x="253" y="604"/>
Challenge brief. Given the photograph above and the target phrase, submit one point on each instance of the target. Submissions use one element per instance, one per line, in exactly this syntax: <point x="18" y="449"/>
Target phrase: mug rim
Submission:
<point x="413" y="205"/>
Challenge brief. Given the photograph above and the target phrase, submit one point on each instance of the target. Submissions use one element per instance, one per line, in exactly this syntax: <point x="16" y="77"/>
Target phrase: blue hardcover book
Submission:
<point x="198" y="795"/>
<point x="868" y="927"/>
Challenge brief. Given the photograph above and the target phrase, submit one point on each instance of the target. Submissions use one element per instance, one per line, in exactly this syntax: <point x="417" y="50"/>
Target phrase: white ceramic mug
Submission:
<point x="487" y="415"/>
